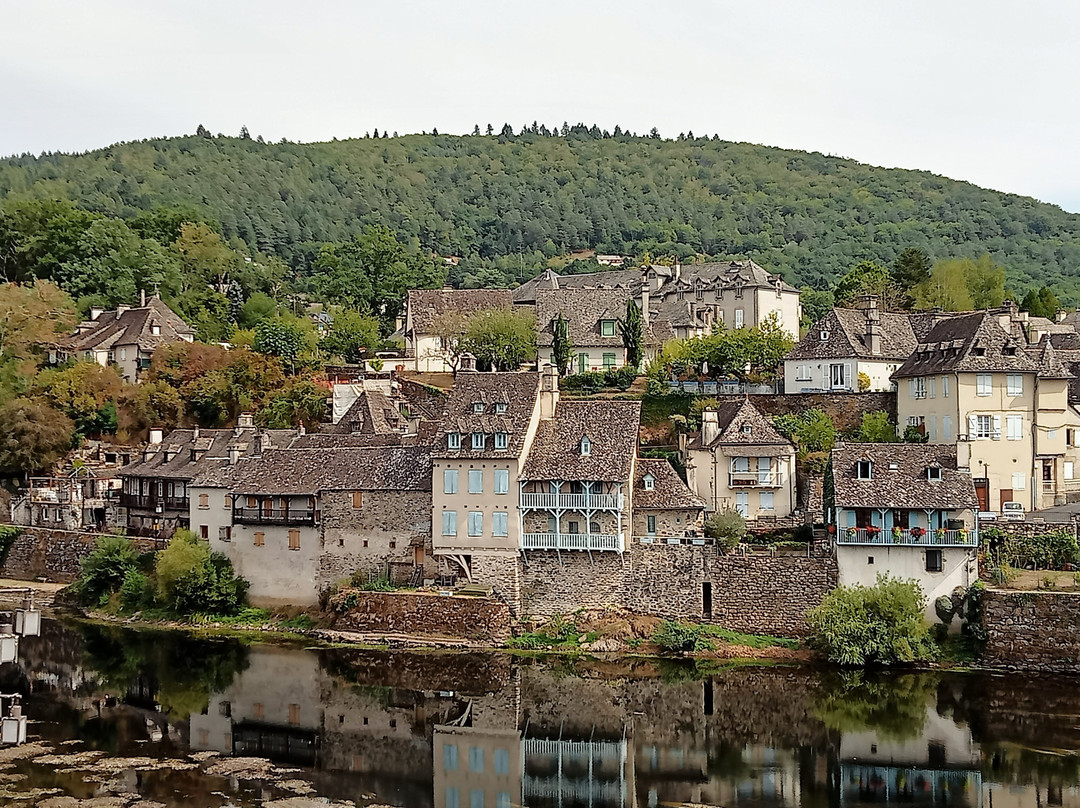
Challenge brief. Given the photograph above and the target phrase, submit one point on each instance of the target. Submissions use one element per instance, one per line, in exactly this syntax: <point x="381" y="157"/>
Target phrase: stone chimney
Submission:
<point x="156" y="435"/>
<point x="645" y="296"/>
<point x="710" y="426"/>
<point x="549" y="391"/>
<point x="234" y="455"/>
<point x="245" y="421"/>
<point x="676" y="271"/>
<point x="142" y="298"/>
<point x="467" y="363"/>
<point x="872" y="338"/>
<point x="1060" y="316"/>
<point x="195" y="433"/>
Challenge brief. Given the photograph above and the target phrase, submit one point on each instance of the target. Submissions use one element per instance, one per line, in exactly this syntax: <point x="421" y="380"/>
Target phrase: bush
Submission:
<point x="973" y="617"/>
<point x="191" y="579"/>
<point x="136" y="592"/>
<point x="881" y="624"/>
<point x="677" y="638"/>
<point x="105" y="569"/>
<point x="594" y="381"/>
<point x="727" y="527"/>
<point x="184" y="555"/>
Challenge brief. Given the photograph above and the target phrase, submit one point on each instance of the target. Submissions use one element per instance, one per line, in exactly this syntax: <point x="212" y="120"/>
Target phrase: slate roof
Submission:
<point x="133" y="326"/>
<point x="171" y="459"/>
<point x="373" y="413"/>
<point x="612" y="429"/>
<point x="899" y="478"/>
<point x="733" y="417"/>
<point x="970" y="342"/>
<point x="425" y="306"/>
<point x="669" y="491"/>
<point x="583" y="310"/>
<point x="518" y="391"/>
<point x="309" y="471"/>
<point x="846" y="330"/>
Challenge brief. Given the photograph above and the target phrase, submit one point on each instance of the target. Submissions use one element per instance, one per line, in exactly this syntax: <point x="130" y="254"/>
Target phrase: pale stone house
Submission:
<point x="739" y="461"/>
<point x="975" y="381"/>
<point x="847" y="343"/>
<point x="906" y="510"/>
<point x="665" y="509"/>
<point x="424" y="308"/>
<point x="125" y="337"/>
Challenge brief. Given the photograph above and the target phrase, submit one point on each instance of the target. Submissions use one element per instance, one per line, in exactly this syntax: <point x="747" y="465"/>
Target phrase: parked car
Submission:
<point x="1012" y="511"/>
<point x="986" y="516"/>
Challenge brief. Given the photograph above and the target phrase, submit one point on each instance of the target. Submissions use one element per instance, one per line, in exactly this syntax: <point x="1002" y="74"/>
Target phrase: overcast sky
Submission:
<point x="981" y="91"/>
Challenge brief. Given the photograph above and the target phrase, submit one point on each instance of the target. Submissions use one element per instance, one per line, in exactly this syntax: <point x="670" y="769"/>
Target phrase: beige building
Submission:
<point x="126" y="337"/>
<point x="739" y="461"/>
<point x="427" y="309"/>
<point x="665" y="509"/>
<point x="976" y="381"/>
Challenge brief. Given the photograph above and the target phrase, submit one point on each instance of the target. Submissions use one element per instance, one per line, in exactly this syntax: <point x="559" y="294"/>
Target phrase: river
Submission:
<point x="119" y="717"/>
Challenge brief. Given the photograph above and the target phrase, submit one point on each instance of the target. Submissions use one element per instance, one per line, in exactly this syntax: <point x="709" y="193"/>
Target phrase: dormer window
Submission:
<point x="586" y="446"/>
<point x="453" y="440"/>
<point x="502" y="440"/>
<point x="824" y="336"/>
<point x="1008" y="350"/>
<point x="478" y="407"/>
<point x="933" y="473"/>
<point x="607" y="328"/>
<point x="155" y="330"/>
<point x="746" y="429"/>
<point x="978" y="351"/>
<point x="650" y="482"/>
<point x="478" y="440"/>
<point x="864" y="469"/>
<point x="500" y="407"/>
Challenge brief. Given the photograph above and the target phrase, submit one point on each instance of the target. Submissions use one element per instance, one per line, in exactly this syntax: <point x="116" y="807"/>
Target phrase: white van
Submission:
<point x="1012" y="511"/>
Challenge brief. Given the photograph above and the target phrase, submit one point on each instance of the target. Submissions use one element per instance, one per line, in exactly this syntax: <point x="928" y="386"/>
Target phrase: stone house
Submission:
<point x="125" y="337"/>
<point x="665" y="509"/>
<point x="847" y="343"/>
<point x="908" y="510"/>
<point x="739" y="461"/>
<point x="423" y="310"/>
<point x="976" y="382"/>
<point x="303" y="519"/>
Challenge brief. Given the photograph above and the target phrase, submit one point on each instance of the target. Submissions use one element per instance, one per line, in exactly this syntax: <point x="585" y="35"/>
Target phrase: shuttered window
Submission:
<point x="294" y="539"/>
<point x="260" y="538"/>
<point x="358" y="499"/>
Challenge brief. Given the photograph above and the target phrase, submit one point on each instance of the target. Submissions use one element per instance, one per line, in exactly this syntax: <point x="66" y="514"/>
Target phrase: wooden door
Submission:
<point x="418" y="556"/>
<point x="982" y="491"/>
<point x="1006" y="495"/>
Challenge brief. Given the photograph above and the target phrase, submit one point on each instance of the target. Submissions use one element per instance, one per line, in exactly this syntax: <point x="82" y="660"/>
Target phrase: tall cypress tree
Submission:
<point x="632" y="330"/>
<point x="561" y="349"/>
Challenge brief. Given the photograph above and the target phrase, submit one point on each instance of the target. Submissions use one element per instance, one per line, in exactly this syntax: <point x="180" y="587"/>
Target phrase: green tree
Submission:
<point x="31" y="317"/>
<point x="1041" y="303"/>
<point x="279" y="337"/>
<point x="562" y="352"/>
<point x="811" y="430"/>
<point x="104" y="569"/>
<point x="946" y="289"/>
<point x="33" y="436"/>
<point x="868" y="278"/>
<point x="86" y="392"/>
<point x="877" y="428"/>
<point x="301" y="401"/>
<point x="631" y="328"/>
<point x="911" y="268"/>
<point x="986" y="282"/>
<point x="256" y="309"/>
<point x="501" y="339"/>
<point x="815" y="305"/>
<point x="354" y="336"/>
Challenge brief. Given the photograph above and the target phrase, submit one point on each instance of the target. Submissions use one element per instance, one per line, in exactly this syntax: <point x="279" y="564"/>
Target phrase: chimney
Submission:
<point x="96" y="311"/>
<point x="300" y="429"/>
<point x="142" y="298"/>
<point x="261" y="443"/>
<point x="710" y="426"/>
<point x="873" y="324"/>
<point x="195" y="433"/>
<point x="644" y="296"/>
<point x="1060" y="316"/>
<point x="549" y="391"/>
<point x="467" y="363"/>
<point x="234" y="455"/>
<point x="245" y="421"/>
<point x="156" y="435"/>
<point x="676" y="271"/>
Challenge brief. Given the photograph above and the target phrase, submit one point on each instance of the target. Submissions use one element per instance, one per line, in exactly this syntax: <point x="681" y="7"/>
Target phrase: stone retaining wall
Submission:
<point x="1032" y="630"/>
<point x="54" y="555"/>
<point x="424" y="614"/>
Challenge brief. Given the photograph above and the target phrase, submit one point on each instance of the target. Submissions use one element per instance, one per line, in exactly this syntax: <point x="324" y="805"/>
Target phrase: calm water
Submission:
<point x="129" y="712"/>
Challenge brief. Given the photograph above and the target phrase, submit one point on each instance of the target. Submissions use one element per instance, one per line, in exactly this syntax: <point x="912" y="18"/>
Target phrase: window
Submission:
<point x="294" y="539"/>
<point x="650" y="524"/>
<point x="476" y="759"/>
<point x="984" y="384"/>
<point x="944" y="386"/>
<point x="1069" y="470"/>
<point x="933" y="561"/>
<point x="586" y="446"/>
<point x="204" y="500"/>
<point x="1019" y="481"/>
<point x="583" y="362"/>
<point x="1014" y="427"/>
<point x="449" y="757"/>
<point x="739" y="317"/>
<point x="449" y="523"/>
<point x="863" y="469"/>
<point x="742" y="503"/>
<point x="502" y="798"/>
<point x="500" y="523"/>
<point x="453" y="797"/>
<point x="225" y="533"/>
<point x="765" y="503"/>
<point x="824" y="336"/>
<point x="204" y="530"/>
<point x="476" y="523"/>
<point x="607" y="328"/>
<point x="294" y="714"/>
<point x="449" y="481"/>
<point x="478" y="407"/>
<point x="933" y="473"/>
<point x="258" y="710"/>
<point x="500" y="406"/>
<point x="123" y="354"/>
<point x="917" y="386"/>
<point x="649" y="482"/>
<point x="1014" y="384"/>
<point x="985" y="426"/>
<point x="228" y="501"/>
<point x="478" y="440"/>
<point x="1069" y="438"/>
<point x="252" y="502"/>
<point x="1051" y="434"/>
<point x="609" y="361"/>
<point x="502" y="481"/>
<point x="476" y="481"/>
<point x="260" y="538"/>
<point x="476" y="798"/>
<point x="838" y="376"/>
<point x="946" y="428"/>
<point x="358" y="499"/>
<point x="453" y="440"/>
<point x="802" y="373"/>
<point x="502" y="440"/>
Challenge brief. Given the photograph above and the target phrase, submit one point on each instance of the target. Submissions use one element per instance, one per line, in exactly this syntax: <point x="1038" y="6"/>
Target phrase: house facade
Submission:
<point x="906" y="510"/>
<point x="739" y="461"/>
<point x="665" y="509"/>
<point x="427" y="309"/>
<point x="975" y="381"/>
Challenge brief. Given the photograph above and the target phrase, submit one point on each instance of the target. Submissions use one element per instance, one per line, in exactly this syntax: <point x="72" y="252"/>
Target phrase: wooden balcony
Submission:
<point x="572" y="502"/>
<point x="931" y="538"/>
<point x="609" y="542"/>
<point x="275" y="516"/>
<point x="755" y="479"/>
<point x="152" y="503"/>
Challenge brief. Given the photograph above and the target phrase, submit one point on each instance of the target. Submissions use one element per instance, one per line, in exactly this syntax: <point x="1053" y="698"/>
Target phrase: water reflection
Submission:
<point x="452" y="730"/>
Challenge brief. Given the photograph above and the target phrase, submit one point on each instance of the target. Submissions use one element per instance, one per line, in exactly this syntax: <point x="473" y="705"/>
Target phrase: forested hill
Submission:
<point x="507" y="204"/>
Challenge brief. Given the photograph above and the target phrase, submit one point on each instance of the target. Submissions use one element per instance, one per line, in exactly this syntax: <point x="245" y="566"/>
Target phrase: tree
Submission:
<point x="726" y="527"/>
<point x="986" y="282"/>
<point x="32" y="315"/>
<point x="501" y="339"/>
<point x="86" y="392"/>
<point x="301" y="401"/>
<point x="631" y="329"/>
<point x="1041" y="303"/>
<point x="256" y="308"/>
<point x="815" y="305"/>
<point x="202" y="131"/>
<point x="810" y="430"/>
<point x="244" y="133"/>
<point x="868" y="278"/>
<point x="562" y="351"/>
<point x="962" y="284"/>
<point x="911" y="268"/>
<point x="354" y="336"/>
<point x="279" y="337"/>
<point x="33" y="436"/>
<point x="877" y="428"/>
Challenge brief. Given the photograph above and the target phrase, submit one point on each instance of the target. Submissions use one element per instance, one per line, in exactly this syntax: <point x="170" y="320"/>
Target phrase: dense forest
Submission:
<point x="509" y="203"/>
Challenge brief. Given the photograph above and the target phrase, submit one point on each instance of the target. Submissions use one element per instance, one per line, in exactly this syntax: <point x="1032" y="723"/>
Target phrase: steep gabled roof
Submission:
<point x="583" y="310"/>
<point x="373" y="413"/>
<point x="668" y="491"/>
<point x="130" y="326"/>
<point x="172" y="458"/>
<point x="518" y="391"/>
<point x="898" y="477"/>
<point x="742" y="424"/>
<point x="845" y="337"/>
<point x="612" y="430"/>
<point x="970" y="342"/>
<point x="425" y="306"/>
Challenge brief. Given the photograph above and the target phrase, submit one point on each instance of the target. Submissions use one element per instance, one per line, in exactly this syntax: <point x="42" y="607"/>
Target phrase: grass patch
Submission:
<point x="675" y="637"/>
<point x="959" y="649"/>
<point x="657" y="410"/>
<point x="558" y="633"/>
<point x="728" y="637"/>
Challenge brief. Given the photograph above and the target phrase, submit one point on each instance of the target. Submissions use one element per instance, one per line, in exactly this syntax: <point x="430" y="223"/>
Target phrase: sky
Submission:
<point x="978" y="91"/>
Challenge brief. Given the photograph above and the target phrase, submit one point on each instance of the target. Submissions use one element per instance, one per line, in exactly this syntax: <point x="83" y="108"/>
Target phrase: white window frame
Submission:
<point x="1014" y="384"/>
<point x="802" y="373"/>
<point x="500" y="406"/>
<point x="478" y="407"/>
<point x="453" y="440"/>
<point x="944" y="386"/>
<point x="1070" y="470"/>
<point x="478" y="440"/>
<point x="585" y="446"/>
<point x="607" y="328"/>
<point x="476" y="524"/>
<point x="1019" y="481"/>
<point x="766" y="501"/>
<point x="918" y="387"/>
<point x="740" y="317"/>
<point x="450" y="481"/>
<point x="650" y="524"/>
<point x="946" y="428"/>
<point x="476" y="481"/>
<point x="502" y="440"/>
<point x="449" y="523"/>
<point x="984" y="384"/>
<point x="649" y="482"/>
<point x="864" y="470"/>
<point x="502" y="481"/>
<point x="1014" y="427"/>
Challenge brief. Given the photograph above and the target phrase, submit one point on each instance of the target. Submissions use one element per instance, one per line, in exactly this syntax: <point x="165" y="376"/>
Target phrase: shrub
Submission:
<point x="191" y="579"/>
<point x="864" y="382"/>
<point x="815" y="462"/>
<point x="136" y="592"/>
<point x="595" y="380"/>
<point x="881" y="624"/>
<point x="727" y="527"/>
<point x="1048" y="582"/>
<point x="104" y="570"/>
<point x="677" y="638"/>
<point x="185" y="554"/>
<point x="973" y="617"/>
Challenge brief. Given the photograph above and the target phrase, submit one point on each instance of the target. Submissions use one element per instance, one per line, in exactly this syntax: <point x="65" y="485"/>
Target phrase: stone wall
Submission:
<point x="844" y="409"/>
<point x="756" y="593"/>
<point x="1032" y="630"/>
<point x="424" y="614"/>
<point x="502" y="572"/>
<point x="54" y="554"/>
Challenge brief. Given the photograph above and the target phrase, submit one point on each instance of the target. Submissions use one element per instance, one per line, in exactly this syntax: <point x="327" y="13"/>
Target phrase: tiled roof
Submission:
<point x="898" y="477"/>
<point x="309" y="471"/>
<point x="612" y="430"/>
<point x="583" y="310"/>
<point x="846" y="337"/>
<point x="133" y="326"/>
<point x="518" y="391"/>
<point x="171" y="459"/>
<point x="668" y="491"/>
<point x="742" y="424"/>
<point x="970" y="343"/>
<point x="373" y="413"/>
<point x="425" y="306"/>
